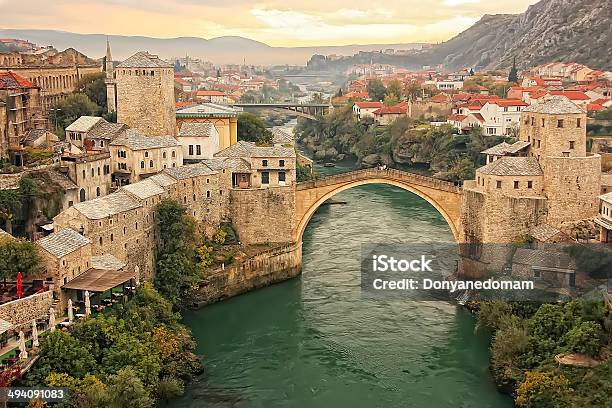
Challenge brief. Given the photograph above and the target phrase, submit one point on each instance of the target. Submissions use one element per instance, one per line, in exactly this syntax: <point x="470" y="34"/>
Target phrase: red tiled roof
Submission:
<point x="458" y="118"/>
<point x="369" y="105"/>
<point x="572" y="95"/>
<point x="479" y="117"/>
<point x="439" y="98"/>
<point x="210" y="93"/>
<point x="509" y="102"/>
<point x="10" y="80"/>
<point x="594" y="107"/>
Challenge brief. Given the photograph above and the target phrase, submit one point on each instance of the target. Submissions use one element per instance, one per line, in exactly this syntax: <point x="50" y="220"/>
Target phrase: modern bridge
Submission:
<point x="305" y="110"/>
<point x="443" y="195"/>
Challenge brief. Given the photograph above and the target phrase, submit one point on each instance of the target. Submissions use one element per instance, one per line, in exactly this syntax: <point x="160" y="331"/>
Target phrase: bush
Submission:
<point x="586" y="338"/>
<point x="543" y="390"/>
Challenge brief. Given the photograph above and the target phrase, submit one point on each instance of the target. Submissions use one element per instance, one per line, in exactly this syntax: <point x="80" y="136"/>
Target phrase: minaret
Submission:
<point x="111" y="85"/>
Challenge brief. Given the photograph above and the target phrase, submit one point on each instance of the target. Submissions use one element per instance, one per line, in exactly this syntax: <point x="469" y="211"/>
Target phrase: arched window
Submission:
<point x="83" y="173"/>
<point x="173" y="154"/>
<point x="112" y="237"/>
<point x="100" y="241"/>
<point x="164" y="155"/>
<point x="82" y="195"/>
<point x="151" y="163"/>
<point x="142" y="165"/>
<point x="97" y="191"/>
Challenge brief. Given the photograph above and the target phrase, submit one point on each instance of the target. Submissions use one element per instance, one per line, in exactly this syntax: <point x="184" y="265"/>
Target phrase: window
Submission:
<point x="93" y="173"/>
<point x="151" y="163"/>
<point x="539" y="143"/>
<point x="208" y="194"/>
<point x="282" y="177"/>
<point x="265" y="177"/>
<point x="101" y="143"/>
<point x="498" y="184"/>
<point x="559" y="123"/>
<point x="146" y="154"/>
<point x="142" y="166"/>
<point x="532" y="121"/>
<point x="164" y="155"/>
<point x="82" y="195"/>
<point x="98" y="171"/>
<point x="112" y="237"/>
<point x="136" y="225"/>
<point x="124" y="230"/>
<point x="572" y="144"/>
<point x="516" y="184"/>
<point x="191" y="150"/>
<point x="543" y="122"/>
<point x="530" y="184"/>
<point x="83" y="173"/>
<point x="100" y="240"/>
<point x="281" y="163"/>
<point x="537" y="274"/>
<point x="173" y="154"/>
<point x="264" y="163"/>
<point x="97" y="191"/>
<point x="198" y="150"/>
<point x="578" y="123"/>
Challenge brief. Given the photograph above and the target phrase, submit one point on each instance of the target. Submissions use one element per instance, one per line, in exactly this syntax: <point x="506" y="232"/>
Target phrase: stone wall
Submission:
<point x="268" y="267"/>
<point x="429" y="110"/>
<point x="145" y="100"/>
<point x="572" y="187"/>
<point x="263" y="216"/>
<point x="22" y="311"/>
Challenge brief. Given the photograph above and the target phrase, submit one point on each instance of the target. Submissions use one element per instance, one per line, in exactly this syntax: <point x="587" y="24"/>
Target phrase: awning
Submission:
<point x="98" y="280"/>
<point x="5" y="326"/>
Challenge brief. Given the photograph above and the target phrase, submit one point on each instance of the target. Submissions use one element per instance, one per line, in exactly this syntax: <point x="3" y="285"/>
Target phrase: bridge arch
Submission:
<point x="443" y="196"/>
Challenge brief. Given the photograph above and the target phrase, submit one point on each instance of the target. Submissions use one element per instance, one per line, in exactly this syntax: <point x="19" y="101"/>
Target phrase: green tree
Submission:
<point x="94" y="87"/>
<point x="585" y="338"/>
<point x="252" y="129"/>
<point x="70" y="109"/>
<point x="10" y="205"/>
<point x="376" y="89"/>
<point x="177" y="269"/>
<point x="394" y="88"/>
<point x="391" y="100"/>
<point x="513" y="76"/>
<point x="18" y="255"/>
<point x="127" y="390"/>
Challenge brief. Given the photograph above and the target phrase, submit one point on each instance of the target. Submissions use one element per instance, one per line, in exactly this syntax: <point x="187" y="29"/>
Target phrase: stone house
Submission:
<point x="554" y="271"/>
<point x="604" y="219"/>
<point x="198" y="141"/>
<point x="93" y="133"/>
<point x="136" y="156"/>
<point x="90" y="171"/>
<point x="387" y="114"/>
<point x="268" y="166"/>
<point x="366" y="109"/>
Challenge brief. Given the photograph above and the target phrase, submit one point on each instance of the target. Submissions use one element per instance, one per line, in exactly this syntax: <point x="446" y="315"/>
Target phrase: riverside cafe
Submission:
<point x="105" y="288"/>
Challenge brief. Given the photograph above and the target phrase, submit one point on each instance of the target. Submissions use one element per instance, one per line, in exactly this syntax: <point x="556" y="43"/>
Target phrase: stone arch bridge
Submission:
<point x="304" y="110"/>
<point x="443" y="195"/>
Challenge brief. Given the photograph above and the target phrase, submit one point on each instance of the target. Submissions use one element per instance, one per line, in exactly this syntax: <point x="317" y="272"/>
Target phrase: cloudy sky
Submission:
<point x="275" y="22"/>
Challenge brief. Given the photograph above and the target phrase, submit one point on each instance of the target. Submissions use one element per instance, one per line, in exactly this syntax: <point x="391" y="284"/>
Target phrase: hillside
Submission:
<point x="551" y="30"/>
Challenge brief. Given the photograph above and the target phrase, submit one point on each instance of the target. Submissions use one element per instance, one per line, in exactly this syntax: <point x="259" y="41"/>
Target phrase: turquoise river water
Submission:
<point x="315" y="342"/>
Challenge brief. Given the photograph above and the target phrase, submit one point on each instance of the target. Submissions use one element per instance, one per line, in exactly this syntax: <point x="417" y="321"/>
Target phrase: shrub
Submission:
<point x="543" y="390"/>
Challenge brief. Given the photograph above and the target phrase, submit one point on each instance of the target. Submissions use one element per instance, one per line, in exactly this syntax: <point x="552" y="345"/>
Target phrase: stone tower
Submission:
<point x="145" y="94"/>
<point x="111" y="87"/>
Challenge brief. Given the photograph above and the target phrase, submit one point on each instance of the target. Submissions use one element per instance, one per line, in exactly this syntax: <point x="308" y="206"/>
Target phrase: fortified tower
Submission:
<point x="556" y="129"/>
<point x="111" y="86"/>
<point x="145" y="94"/>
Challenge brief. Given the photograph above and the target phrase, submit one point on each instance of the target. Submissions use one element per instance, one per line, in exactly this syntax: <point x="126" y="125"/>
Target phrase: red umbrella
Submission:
<point x="19" y="285"/>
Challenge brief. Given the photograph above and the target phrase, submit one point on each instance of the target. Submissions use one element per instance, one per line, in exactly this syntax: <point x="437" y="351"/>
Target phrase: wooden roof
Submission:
<point x="98" y="280"/>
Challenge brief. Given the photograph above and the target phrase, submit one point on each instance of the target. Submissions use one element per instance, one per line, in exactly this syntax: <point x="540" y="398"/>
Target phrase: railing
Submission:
<point x="391" y="174"/>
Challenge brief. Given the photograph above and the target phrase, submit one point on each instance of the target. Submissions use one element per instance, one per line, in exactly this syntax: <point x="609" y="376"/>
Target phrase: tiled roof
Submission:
<point x="513" y="166"/>
<point x="508" y="102"/>
<point x="11" y="80"/>
<point x="197" y="129"/>
<point x="162" y="179"/>
<point x="606" y="197"/>
<point x="63" y="242"/>
<point x="249" y="149"/>
<point x="62" y="180"/>
<point x="369" y="105"/>
<point x="144" y="189"/>
<point x="189" y="171"/>
<point x="103" y="207"/>
<point x="572" y="95"/>
<point x="134" y="140"/>
<point x="544" y="232"/>
<point x="281" y="136"/>
<point x="233" y="163"/>
<point x="553" y="105"/>
<point x="457" y="117"/>
<point x="106" y="130"/>
<point x="390" y="110"/>
<point x="83" y="124"/>
<point x="143" y="59"/>
<point x="506" y="148"/>
<point x="543" y="259"/>
<point x="107" y="262"/>
<point x="207" y="110"/>
<point x="33" y="135"/>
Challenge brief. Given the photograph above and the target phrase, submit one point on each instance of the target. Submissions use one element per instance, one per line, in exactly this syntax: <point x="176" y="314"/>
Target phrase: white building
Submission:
<point x="365" y="109"/>
<point x="199" y="140"/>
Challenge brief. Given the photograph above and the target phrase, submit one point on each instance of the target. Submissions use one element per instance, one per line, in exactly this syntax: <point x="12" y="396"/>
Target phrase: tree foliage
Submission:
<point x="94" y="87"/>
<point x="376" y="89"/>
<point x="543" y="390"/>
<point x="70" y="109"/>
<point x="18" y="255"/>
<point x="252" y="129"/>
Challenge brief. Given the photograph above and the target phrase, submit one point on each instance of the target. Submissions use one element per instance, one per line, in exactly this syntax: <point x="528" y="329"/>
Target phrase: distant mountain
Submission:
<point x="220" y="50"/>
<point x="550" y="30"/>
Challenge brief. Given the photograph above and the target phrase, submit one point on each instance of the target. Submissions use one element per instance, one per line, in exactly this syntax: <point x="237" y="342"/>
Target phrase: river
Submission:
<point x="315" y="342"/>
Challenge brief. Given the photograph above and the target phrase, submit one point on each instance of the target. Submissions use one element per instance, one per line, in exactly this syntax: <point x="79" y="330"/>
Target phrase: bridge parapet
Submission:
<point x="391" y="174"/>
